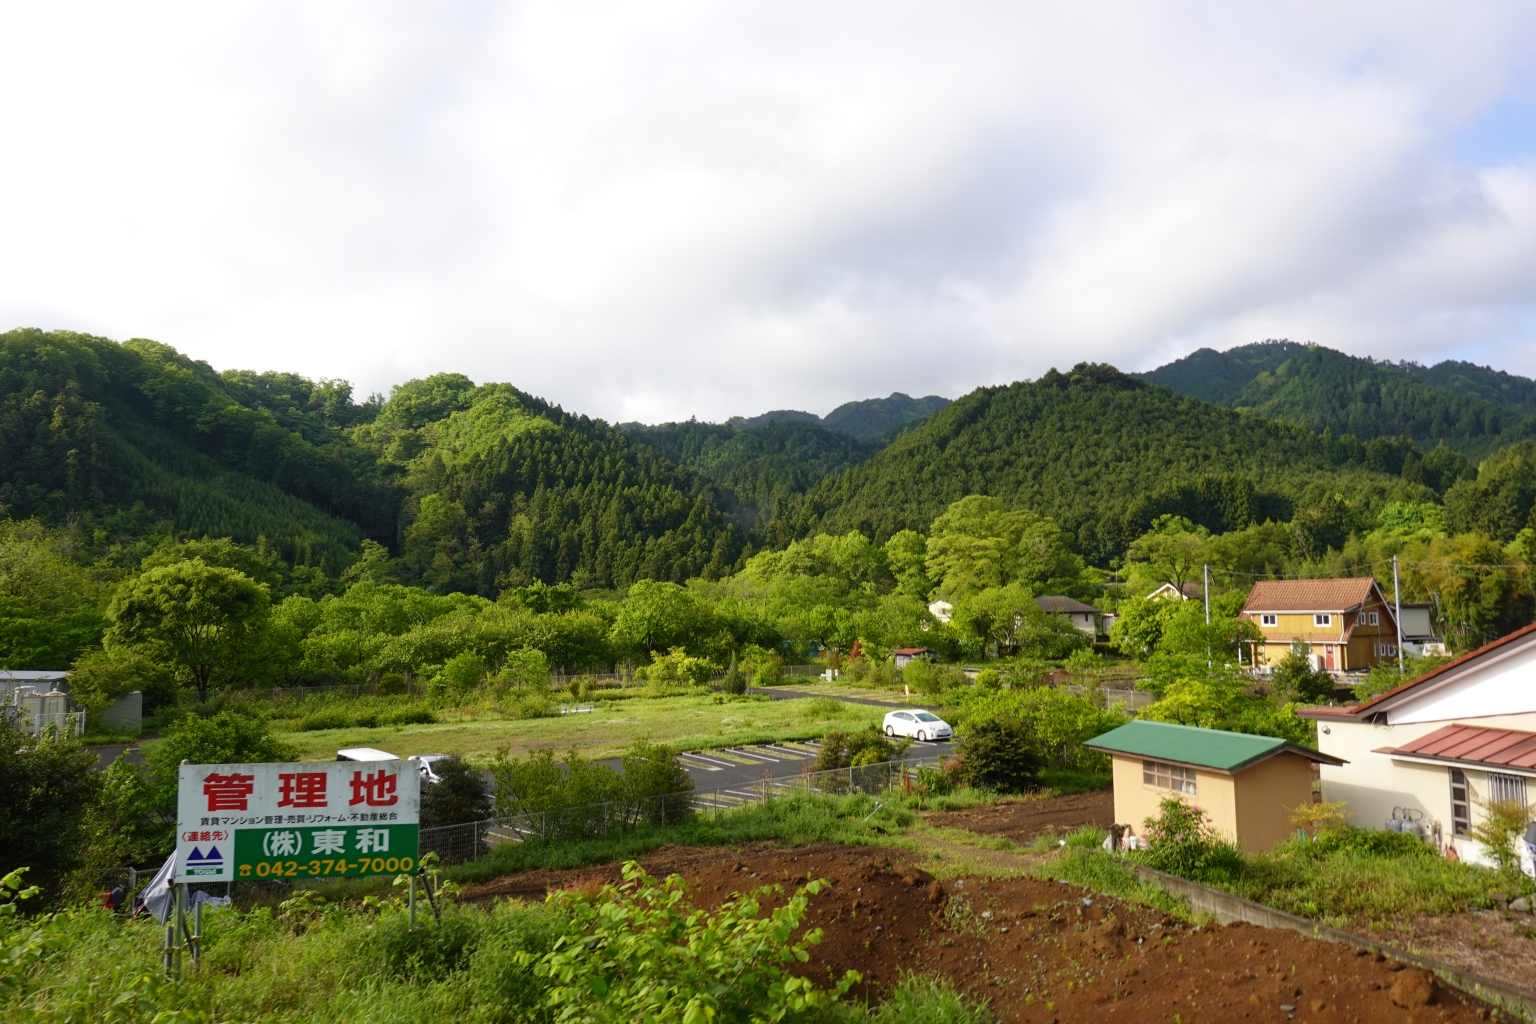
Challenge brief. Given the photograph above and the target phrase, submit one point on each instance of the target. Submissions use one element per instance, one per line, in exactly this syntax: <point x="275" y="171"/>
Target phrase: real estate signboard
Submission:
<point x="245" y="822"/>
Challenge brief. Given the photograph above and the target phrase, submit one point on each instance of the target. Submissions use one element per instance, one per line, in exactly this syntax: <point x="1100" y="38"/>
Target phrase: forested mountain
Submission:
<point x="1105" y="453"/>
<point x="760" y="466"/>
<point x="1469" y="408"/>
<point x="1480" y="382"/>
<point x="473" y="488"/>
<point x="1217" y="377"/>
<point x="869" y="420"/>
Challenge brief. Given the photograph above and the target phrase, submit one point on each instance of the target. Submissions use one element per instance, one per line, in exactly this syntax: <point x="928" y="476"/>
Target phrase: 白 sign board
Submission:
<point x="245" y="822"/>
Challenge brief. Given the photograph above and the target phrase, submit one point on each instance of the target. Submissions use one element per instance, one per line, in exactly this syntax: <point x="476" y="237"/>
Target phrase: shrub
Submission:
<point x="1503" y="821"/>
<point x="735" y="683"/>
<point x="923" y="999"/>
<point x="458" y="797"/>
<point x="677" y="666"/>
<point x="463" y="673"/>
<point x="1000" y="755"/>
<point x="1374" y="842"/>
<point x="641" y="951"/>
<point x="988" y="679"/>
<point x="867" y="746"/>
<point x="1296" y="680"/>
<point x="1182" y="842"/>
<point x="824" y="707"/>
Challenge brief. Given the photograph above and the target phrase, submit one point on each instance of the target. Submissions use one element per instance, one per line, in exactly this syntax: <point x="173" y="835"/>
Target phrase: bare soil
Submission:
<point x="1495" y="943"/>
<point x="1028" y="818"/>
<point x="1044" y="951"/>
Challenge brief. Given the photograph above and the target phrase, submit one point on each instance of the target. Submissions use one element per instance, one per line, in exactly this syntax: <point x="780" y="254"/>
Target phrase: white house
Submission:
<point x="1437" y="749"/>
<point x="1084" y="617"/>
<point x="1185" y="592"/>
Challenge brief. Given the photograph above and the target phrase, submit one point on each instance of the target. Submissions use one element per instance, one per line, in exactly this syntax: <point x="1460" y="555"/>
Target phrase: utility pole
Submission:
<point x="1397" y="615"/>
<point x="1206" y="590"/>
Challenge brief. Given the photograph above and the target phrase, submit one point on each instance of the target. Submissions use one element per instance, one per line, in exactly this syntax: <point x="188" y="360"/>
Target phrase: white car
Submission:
<point x="425" y="763"/>
<point x="920" y="725"/>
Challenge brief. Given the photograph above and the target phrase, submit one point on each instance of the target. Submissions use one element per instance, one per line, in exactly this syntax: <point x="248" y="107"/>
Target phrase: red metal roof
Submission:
<point x="1476" y="744"/>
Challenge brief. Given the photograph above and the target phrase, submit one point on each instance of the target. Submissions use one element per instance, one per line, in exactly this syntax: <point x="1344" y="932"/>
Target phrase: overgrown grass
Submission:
<point x="315" y="961"/>
<point x="790" y="820"/>
<point x="1092" y="868"/>
<point x="1349" y="886"/>
<point x="686" y="723"/>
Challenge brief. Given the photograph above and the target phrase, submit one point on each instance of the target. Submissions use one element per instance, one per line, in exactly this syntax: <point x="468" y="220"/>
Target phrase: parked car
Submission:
<point x="365" y="754"/>
<point x="920" y="725"/>
<point x="425" y="763"/>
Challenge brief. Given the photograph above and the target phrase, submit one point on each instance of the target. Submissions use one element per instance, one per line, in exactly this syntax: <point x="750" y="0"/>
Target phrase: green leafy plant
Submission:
<point x="641" y="951"/>
<point x="1502" y="822"/>
<point x="1000" y="754"/>
<point x="1182" y="842"/>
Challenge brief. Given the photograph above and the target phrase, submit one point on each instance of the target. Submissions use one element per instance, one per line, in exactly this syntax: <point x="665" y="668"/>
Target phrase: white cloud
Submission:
<point x="655" y="210"/>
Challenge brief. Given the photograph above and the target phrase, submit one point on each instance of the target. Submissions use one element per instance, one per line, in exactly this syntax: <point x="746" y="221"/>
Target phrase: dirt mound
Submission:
<point x="1046" y="951"/>
<point x="1023" y="820"/>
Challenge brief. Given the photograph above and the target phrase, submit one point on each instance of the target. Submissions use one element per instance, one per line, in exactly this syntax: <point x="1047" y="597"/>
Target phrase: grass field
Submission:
<point x="687" y="723"/>
<point x="821" y="688"/>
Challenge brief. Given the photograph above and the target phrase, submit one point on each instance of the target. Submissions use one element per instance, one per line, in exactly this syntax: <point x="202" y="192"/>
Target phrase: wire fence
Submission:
<point x="457" y="843"/>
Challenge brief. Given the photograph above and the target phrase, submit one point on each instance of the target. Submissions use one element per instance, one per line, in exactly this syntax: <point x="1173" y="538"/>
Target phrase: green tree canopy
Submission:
<point x="200" y="618"/>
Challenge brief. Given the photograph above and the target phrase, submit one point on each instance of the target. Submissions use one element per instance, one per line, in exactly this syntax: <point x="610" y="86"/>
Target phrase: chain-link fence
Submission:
<point x="456" y="843"/>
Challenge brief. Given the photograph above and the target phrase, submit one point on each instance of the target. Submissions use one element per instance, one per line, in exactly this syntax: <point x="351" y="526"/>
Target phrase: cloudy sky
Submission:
<point x="662" y="209"/>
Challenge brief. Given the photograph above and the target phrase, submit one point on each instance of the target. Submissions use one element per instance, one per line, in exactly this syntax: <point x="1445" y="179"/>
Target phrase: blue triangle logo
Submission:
<point x="213" y="854"/>
<point x="196" y="855"/>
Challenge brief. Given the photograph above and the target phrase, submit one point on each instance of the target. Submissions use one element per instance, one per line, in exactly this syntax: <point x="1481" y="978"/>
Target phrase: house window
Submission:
<point x="1168" y="776"/>
<point x="1386" y="650"/>
<point x="1503" y="787"/>
<point x="1461" y="805"/>
<point x="1375" y="618"/>
<point x="1360" y="619"/>
<point x="1269" y="620"/>
<point x="1322" y="619"/>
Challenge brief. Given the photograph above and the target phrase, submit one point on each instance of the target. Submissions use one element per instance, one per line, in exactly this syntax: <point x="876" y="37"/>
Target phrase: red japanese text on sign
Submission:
<point x="228" y="792"/>
<point x="376" y="790"/>
<point x="301" y="789"/>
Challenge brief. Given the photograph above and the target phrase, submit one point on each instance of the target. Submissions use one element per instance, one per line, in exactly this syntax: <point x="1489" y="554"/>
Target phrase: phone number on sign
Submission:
<point x="314" y="868"/>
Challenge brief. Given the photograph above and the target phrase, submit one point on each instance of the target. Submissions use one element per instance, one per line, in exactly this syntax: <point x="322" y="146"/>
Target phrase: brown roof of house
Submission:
<point x="1474" y="744"/>
<point x="1369" y="707"/>
<point x="1055" y="603"/>
<point x="1309" y="595"/>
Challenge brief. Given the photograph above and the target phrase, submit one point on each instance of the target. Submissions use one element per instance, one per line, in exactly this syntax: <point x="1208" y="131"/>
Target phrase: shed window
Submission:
<point x="1461" y="805"/>
<point x="1269" y="620"/>
<point x="1503" y="787"/>
<point x="1168" y="776"/>
<point x="1322" y="619"/>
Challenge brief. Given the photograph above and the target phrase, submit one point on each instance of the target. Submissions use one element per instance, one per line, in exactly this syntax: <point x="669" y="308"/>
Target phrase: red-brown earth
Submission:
<point x="1039" y="950"/>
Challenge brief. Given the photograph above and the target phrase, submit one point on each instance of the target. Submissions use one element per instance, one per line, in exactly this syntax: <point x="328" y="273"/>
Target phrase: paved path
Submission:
<point x="892" y="702"/>
<point x="107" y="753"/>
<point x="730" y="776"/>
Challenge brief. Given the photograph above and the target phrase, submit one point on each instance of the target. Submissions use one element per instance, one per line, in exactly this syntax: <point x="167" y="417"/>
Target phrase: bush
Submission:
<point x="50" y="785"/>
<point x="988" y="679"/>
<point x="458" y="797"/>
<point x="677" y="666"/>
<point x="921" y="999"/>
<point x="1000" y="755"/>
<point x="640" y="951"/>
<point x="462" y="674"/>
<point x="1182" y="842"/>
<point x="824" y="707"/>
<point x="735" y="683"/>
<point x="1296" y="680"/>
<point x="867" y="746"/>
<point x="99" y="677"/>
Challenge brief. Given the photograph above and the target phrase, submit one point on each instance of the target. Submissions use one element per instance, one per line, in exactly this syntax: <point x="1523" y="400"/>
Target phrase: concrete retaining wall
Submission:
<point x="1225" y="907"/>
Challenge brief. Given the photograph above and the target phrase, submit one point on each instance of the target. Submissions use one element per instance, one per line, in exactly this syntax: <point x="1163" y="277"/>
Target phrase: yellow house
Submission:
<point x="1247" y="785"/>
<point x="1347" y="624"/>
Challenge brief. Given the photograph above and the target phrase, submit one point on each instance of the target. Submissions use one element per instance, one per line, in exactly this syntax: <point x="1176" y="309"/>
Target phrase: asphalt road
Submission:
<point x="730" y="776"/>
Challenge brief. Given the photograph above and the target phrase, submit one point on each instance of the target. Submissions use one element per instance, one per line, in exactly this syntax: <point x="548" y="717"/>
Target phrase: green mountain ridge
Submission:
<point x="1104" y="453"/>
<point x="1322" y="389"/>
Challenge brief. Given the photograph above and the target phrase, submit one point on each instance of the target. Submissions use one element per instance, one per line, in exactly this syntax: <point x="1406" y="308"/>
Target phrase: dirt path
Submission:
<point x="1039" y="950"/>
<point x="1027" y="818"/>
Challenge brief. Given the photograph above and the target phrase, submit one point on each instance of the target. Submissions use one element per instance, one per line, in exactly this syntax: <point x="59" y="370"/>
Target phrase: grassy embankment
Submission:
<point x="687" y="723"/>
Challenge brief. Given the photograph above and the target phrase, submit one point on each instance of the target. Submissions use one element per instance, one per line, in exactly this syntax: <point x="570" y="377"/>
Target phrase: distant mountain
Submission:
<point x="867" y="420"/>
<point x="1104" y="453"/>
<point x="1322" y="389"/>
<point x="472" y="488"/>
<point x="879" y="417"/>
<point x="1216" y="377"/>
<point x="760" y="466"/>
<point x="1479" y="382"/>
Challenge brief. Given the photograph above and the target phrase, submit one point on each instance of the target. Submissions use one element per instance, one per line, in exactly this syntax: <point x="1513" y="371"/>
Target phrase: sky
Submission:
<point x="671" y="209"/>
